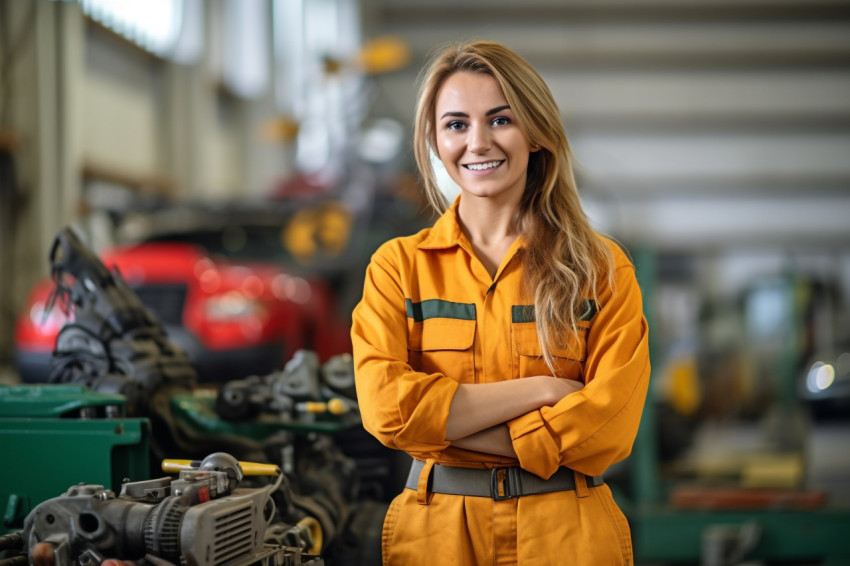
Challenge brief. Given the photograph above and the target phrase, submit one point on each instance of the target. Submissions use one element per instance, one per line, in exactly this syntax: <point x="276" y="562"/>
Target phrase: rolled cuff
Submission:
<point x="424" y="427"/>
<point x="534" y="445"/>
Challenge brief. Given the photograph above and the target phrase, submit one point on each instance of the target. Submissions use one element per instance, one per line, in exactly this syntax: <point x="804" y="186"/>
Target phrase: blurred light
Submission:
<point x="825" y="376"/>
<point x="232" y="304"/>
<point x="294" y="289"/>
<point x="283" y="287"/>
<point x="51" y="321"/>
<point x="384" y="54"/>
<point x="253" y="287"/>
<point x="313" y="152"/>
<point x="154" y="25"/>
<point x="302" y="291"/>
<point x="189" y="47"/>
<point x="767" y="312"/>
<point x="203" y="265"/>
<point x="820" y="377"/>
<point x="210" y="281"/>
<point x="381" y="141"/>
<point x="245" y="60"/>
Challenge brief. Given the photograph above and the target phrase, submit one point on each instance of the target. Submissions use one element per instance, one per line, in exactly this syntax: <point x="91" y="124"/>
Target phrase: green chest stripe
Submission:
<point x="522" y="313"/>
<point x="525" y="313"/>
<point x="437" y="308"/>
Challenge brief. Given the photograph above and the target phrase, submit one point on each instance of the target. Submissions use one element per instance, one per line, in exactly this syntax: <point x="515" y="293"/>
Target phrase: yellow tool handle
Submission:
<point x="257" y="469"/>
<point x="313" y="407"/>
<point x="248" y="468"/>
<point x="335" y="406"/>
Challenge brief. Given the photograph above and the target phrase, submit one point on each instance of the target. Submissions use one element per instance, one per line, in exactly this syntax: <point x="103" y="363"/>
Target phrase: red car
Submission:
<point x="233" y="319"/>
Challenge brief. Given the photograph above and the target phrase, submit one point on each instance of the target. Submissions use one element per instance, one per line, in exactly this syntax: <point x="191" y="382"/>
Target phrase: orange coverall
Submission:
<point x="431" y="317"/>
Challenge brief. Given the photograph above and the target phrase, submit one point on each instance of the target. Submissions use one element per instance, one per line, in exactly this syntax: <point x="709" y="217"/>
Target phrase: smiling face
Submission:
<point x="478" y="138"/>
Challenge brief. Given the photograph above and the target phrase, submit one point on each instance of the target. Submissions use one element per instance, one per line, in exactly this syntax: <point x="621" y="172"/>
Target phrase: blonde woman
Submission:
<point x="504" y="348"/>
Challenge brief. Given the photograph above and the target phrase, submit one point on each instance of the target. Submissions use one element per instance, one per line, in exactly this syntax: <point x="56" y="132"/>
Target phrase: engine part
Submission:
<point x="203" y="518"/>
<point x="114" y="344"/>
<point x="301" y="391"/>
<point x="299" y="379"/>
<point x="338" y="375"/>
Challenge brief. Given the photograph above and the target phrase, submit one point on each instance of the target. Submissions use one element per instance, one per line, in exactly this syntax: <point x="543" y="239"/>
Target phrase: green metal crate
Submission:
<point x="55" y="436"/>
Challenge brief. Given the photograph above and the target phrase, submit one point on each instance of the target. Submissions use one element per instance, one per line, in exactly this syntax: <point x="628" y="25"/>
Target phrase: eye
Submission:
<point x="501" y="121"/>
<point x="455" y="125"/>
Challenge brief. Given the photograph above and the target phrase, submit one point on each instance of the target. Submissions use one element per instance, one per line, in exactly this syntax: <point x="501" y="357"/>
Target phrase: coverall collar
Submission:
<point x="446" y="233"/>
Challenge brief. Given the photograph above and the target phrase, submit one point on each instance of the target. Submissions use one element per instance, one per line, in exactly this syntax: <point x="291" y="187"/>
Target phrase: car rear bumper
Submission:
<point x="227" y="365"/>
<point x="33" y="366"/>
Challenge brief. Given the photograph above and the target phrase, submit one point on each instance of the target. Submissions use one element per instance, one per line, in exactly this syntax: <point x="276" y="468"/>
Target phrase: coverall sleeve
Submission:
<point x="402" y="408"/>
<point x="595" y="427"/>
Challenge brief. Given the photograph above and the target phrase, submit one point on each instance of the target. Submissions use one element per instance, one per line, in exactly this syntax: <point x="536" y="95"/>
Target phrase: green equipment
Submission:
<point x="53" y="436"/>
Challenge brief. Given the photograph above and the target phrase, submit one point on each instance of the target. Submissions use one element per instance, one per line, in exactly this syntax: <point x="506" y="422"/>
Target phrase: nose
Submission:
<point x="480" y="139"/>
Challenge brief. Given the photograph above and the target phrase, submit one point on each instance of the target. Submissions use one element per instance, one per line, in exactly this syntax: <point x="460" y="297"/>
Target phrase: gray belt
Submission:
<point x="496" y="483"/>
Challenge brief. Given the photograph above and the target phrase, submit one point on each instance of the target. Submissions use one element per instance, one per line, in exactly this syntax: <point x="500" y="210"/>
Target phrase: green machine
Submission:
<point x="197" y="410"/>
<point x="54" y="436"/>
<point x="776" y="526"/>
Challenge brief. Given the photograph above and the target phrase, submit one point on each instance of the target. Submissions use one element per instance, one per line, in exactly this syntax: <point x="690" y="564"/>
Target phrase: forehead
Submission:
<point x="467" y="92"/>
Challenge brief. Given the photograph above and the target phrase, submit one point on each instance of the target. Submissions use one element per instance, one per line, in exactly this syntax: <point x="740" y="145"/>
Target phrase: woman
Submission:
<point x="504" y="348"/>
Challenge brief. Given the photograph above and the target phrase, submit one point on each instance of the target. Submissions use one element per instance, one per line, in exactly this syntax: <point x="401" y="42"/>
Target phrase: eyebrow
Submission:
<point x="488" y="113"/>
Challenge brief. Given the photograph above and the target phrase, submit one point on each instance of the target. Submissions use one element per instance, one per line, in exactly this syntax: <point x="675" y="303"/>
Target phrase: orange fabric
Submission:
<point x="581" y="484"/>
<point x="431" y="317"/>
<point x="423" y="497"/>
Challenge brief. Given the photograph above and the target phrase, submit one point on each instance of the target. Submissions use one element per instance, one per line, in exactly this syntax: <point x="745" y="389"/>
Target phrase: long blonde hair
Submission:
<point x="565" y="260"/>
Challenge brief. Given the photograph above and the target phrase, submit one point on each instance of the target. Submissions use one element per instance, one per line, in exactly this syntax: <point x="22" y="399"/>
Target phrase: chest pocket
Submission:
<point x="440" y="338"/>
<point x="528" y="355"/>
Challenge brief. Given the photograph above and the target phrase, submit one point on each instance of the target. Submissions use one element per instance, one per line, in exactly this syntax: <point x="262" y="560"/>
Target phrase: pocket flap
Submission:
<point x="442" y="334"/>
<point x="527" y="344"/>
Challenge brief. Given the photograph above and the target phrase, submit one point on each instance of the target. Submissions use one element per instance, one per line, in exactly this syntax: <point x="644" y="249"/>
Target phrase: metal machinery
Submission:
<point x="113" y="344"/>
<point x="202" y="518"/>
<point x="677" y="523"/>
<point x="112" y="358"/>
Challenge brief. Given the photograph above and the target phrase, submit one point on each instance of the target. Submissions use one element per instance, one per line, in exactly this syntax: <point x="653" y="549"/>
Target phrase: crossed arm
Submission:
<point x="479" y="411"/>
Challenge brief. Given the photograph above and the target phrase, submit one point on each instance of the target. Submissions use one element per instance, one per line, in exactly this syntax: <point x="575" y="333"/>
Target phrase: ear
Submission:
<point x="535" y="147"/>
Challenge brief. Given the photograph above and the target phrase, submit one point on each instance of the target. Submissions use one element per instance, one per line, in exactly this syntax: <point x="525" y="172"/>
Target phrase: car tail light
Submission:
<point x="231" y="305"/>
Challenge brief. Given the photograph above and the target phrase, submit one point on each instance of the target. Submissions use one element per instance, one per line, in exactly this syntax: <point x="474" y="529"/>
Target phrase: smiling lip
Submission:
<point x="483" y="167"/>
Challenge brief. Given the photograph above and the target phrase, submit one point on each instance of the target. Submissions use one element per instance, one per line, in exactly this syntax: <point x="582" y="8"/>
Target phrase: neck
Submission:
<point x="490" y="230"/>
<point x="486" y="223"/>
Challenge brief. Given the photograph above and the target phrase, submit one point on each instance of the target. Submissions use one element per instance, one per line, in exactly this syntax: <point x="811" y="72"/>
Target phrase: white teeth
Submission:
<point x="483" y="166"/>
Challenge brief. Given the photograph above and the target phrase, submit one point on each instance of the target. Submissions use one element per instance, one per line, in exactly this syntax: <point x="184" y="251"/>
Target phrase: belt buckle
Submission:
<point x="505" y="483"/>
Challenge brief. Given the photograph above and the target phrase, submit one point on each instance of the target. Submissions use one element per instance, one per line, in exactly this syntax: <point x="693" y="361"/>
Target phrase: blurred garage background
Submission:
<point x="712" y="138"/>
